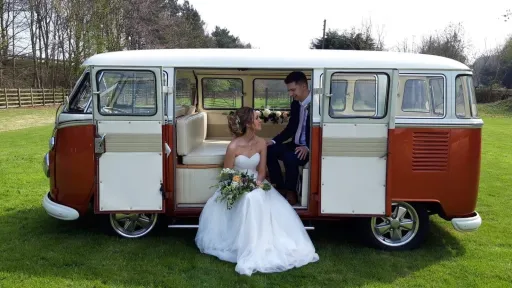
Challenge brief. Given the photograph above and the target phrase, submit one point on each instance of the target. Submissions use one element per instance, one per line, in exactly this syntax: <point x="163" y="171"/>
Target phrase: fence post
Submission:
<point x="63" y="94"/>
<point x="44" y="98"/>
<point x="266" y="98"/>
<point x="53" y="92"/>
<point x="31" y="97"/>
<point x="6" y="99"/>
<point x="19" y="97"/>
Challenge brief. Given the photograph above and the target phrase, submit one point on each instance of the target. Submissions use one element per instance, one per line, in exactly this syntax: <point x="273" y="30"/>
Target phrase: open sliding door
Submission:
<point x="128" y="113"/>
<point x="356" y="115"/>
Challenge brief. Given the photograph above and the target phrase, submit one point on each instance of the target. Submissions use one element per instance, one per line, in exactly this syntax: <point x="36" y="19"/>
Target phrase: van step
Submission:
<point x="197" y="226"/>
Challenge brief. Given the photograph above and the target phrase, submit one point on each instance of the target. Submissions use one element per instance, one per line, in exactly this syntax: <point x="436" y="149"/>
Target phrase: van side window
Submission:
<point x="131" y="93"/>
<point x="358" y="95"/>
<point x="365" y="95"/>
<point x="186" y="88"/>
<point x="222" y="93"/>
<point x="79" y="102"/>
<point x="465" y="97"/>
<point x="271" y="93"/>
<point x="421" y="96"/>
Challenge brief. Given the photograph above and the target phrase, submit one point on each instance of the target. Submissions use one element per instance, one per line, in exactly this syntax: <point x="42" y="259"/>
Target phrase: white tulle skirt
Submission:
<point x="261" y="233"/>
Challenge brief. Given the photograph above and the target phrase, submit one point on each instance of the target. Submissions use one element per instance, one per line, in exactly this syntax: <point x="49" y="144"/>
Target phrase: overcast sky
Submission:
<point x="293" y="23"/>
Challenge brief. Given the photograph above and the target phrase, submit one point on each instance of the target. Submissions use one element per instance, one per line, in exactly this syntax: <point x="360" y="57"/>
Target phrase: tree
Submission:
<point x="222" y="38"/>
<point x="449" y="43"/>
<point x="494" y="67"/>
<point x="353" y="39"/>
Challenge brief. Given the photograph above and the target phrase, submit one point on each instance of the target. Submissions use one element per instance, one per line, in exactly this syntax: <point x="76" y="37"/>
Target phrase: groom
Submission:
<point x="296" y="152"/>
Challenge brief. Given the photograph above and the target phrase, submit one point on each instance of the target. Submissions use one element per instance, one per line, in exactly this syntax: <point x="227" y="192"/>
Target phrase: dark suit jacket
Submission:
<point x="293" y="125"/>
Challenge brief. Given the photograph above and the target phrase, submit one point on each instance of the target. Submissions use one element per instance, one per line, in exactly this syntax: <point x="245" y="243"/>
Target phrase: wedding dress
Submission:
<point x="261" y="232"/>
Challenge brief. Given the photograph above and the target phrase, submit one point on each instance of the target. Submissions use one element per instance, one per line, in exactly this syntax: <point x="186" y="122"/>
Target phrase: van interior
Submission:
<point x="203" y="99"/>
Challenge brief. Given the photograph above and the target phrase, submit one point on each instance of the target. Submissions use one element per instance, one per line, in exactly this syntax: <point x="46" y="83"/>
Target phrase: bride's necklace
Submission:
<point x="249" y="143"/>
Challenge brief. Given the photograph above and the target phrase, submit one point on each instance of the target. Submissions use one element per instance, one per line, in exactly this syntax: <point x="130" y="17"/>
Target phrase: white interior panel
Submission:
<point x="353" y="185"/>
<point x="305" y="188"/>
<point x="130" y="181"/>
<point x="193" y="186"/>
<point x="129" y="127"/>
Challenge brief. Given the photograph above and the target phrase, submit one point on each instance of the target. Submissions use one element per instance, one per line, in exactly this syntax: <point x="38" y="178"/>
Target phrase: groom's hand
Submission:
<point x="302" y="152"/>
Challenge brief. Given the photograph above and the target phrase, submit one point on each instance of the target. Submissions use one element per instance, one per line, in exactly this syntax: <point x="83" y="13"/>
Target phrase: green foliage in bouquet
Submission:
<point x="233" y="184"/>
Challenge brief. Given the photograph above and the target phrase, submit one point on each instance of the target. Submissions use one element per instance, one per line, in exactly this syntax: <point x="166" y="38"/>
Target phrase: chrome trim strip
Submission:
<point x="66" y="117"/>
<point x="197" y="226"/>
<point x="74" y="123"/>
<point x="440" y="123"/>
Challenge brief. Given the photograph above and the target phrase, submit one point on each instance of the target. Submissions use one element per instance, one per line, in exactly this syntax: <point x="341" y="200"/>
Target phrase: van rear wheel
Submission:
<point x="405" y="229"/>
<point x="133" y="225"/>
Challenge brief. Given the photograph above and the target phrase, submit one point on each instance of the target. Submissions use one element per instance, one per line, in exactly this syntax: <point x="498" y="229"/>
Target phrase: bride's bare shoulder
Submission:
<point x="261" y="142"/>
<point x="233" y="145"/>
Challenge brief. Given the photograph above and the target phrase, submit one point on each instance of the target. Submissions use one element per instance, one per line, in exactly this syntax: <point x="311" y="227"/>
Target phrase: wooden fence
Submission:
<point x="12" y="98"/>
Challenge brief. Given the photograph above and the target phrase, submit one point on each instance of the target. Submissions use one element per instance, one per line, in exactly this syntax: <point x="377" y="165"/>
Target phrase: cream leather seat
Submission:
<point x="192" y="143"/>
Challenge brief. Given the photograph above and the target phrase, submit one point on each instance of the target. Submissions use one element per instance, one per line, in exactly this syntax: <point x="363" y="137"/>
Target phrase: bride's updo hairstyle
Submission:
<point x="238" y="121"/>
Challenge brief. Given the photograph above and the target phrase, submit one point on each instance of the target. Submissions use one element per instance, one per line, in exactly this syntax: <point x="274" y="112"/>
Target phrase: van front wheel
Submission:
<point x="133" y="225"/>
<point x="405" y="229"/>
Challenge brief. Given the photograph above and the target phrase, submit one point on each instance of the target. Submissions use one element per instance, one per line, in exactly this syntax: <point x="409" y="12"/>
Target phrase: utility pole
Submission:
<point x="323" y="37"/>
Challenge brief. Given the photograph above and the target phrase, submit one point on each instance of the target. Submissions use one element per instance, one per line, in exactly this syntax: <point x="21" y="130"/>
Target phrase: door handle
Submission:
<point x="99" y="144"/>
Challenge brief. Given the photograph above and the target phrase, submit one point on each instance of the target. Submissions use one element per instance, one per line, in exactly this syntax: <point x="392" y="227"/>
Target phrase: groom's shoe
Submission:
<point x="290" y="196"/>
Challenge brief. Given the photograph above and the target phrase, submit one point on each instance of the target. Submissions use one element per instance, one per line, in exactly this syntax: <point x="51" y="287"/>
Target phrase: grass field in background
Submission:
<point x="39" y="251"/>
<point x="19" y="118"/>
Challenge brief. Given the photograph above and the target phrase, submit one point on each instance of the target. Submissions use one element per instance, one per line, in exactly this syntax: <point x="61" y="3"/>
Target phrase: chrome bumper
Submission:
<point x="46" y="165"/>
<point x="467" y="224"/>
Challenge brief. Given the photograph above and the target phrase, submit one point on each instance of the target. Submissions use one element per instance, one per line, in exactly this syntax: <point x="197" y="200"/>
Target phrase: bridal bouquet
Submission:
<point x="234" y="183"/>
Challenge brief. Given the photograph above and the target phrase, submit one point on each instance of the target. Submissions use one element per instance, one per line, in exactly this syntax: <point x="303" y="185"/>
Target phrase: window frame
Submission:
<point x="100" y="74"/>
<point x="424" y="76"/>
<point x="84" y="80"/>
<point x="221" y="78"/>
<point x="378" y="101"/>
<point x="467" y="97"/>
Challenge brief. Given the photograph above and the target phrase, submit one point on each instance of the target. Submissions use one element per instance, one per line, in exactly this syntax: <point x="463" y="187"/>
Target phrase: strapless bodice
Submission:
<point x="249" y="164"/>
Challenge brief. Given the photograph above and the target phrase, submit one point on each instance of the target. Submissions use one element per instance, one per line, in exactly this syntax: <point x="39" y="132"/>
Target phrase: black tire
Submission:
<point x="411" y="239"/>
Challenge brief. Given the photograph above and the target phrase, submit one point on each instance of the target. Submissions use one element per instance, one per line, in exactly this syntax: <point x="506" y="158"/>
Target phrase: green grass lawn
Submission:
<point x="39" y="251"/>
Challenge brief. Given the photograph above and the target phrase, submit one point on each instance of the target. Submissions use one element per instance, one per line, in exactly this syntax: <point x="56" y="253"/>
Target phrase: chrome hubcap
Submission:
<point x="133" y="225"/>
<point x="399" y="228"/>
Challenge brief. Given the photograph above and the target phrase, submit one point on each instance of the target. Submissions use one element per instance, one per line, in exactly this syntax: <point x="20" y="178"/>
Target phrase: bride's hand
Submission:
<point x="259" y="183"/>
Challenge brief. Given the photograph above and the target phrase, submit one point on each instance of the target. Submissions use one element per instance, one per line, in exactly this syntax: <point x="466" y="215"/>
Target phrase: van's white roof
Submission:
<point x="274" y="59"/>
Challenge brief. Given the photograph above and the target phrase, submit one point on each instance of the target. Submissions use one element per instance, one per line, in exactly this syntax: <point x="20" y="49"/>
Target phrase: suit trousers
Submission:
<point x="285" y="153"/>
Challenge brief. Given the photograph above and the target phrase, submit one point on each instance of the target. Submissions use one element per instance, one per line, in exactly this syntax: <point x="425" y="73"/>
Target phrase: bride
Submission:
<point x="261" y="232"/>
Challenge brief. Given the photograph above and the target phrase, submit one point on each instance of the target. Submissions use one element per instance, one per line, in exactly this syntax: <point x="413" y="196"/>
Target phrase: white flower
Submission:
<point x="266" y="112"/>
<point x="258" y="113"/>
<point x="278" y="113"/>
<point x="234" y="184"/>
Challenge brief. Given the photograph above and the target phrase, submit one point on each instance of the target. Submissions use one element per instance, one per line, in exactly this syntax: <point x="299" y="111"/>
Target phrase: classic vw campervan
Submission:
<point x="395" y="137"/>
